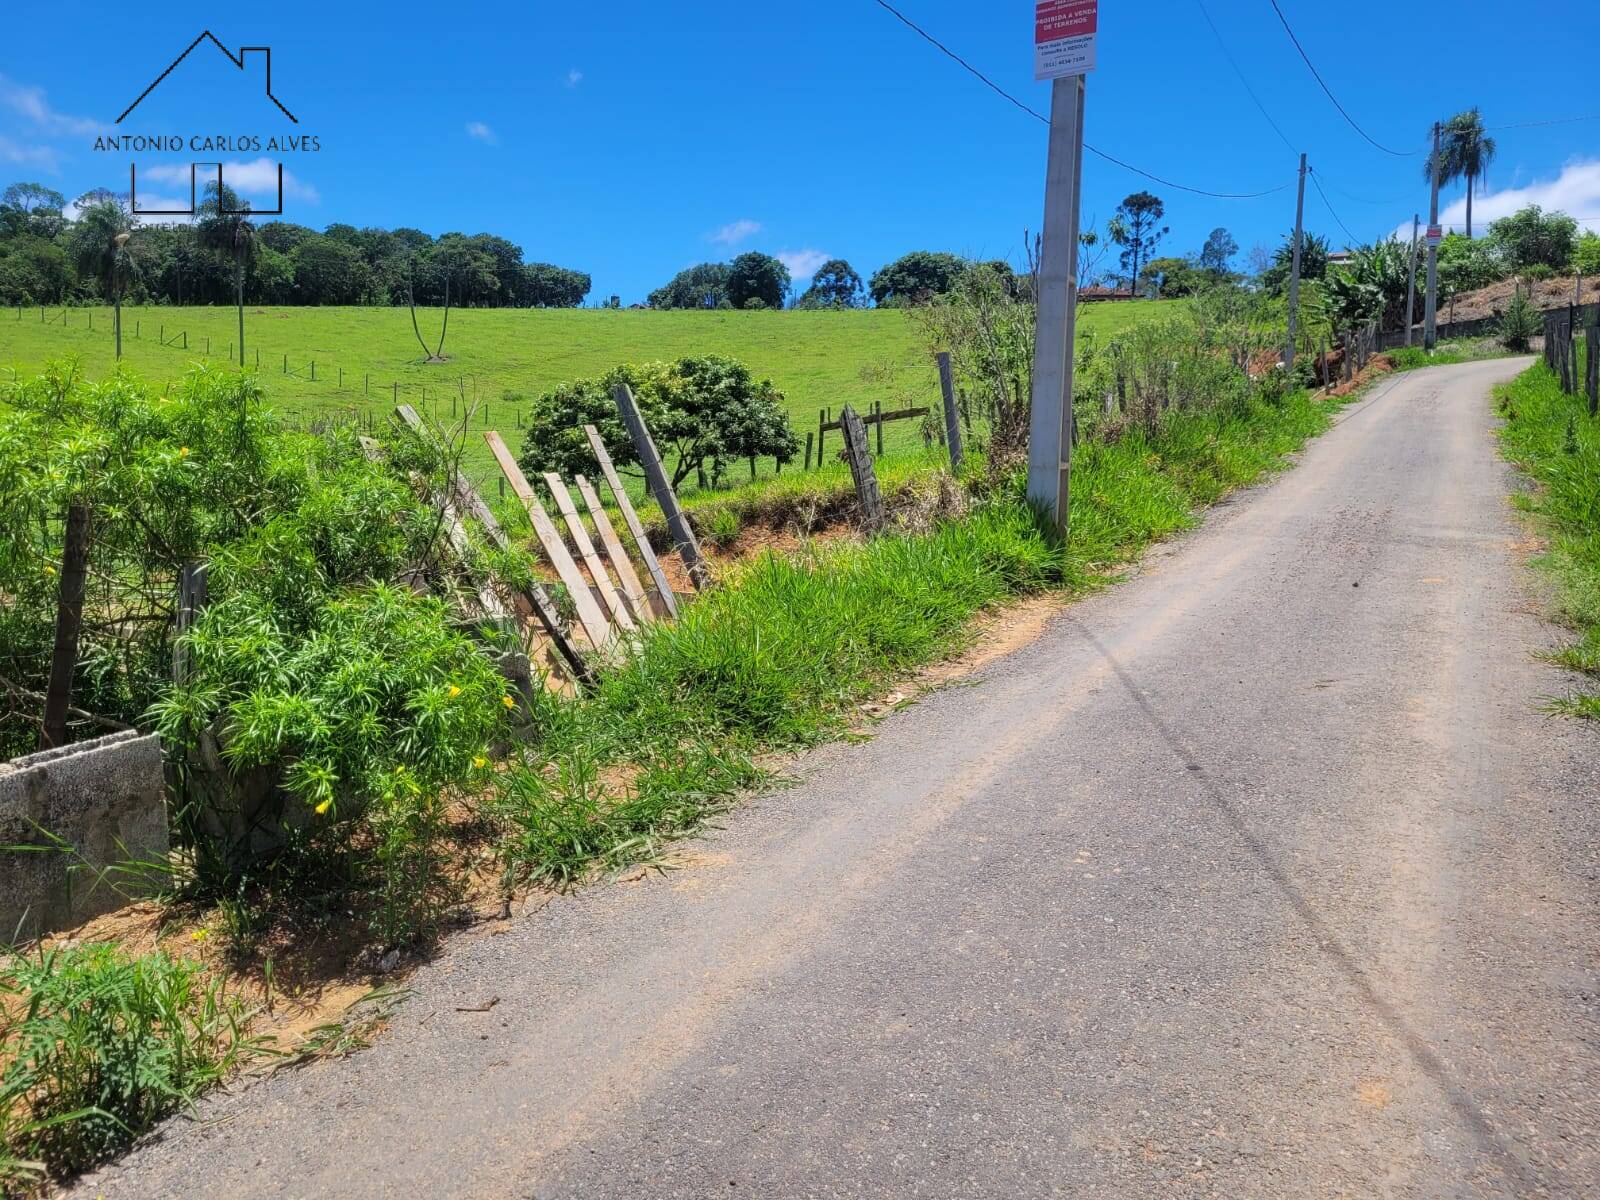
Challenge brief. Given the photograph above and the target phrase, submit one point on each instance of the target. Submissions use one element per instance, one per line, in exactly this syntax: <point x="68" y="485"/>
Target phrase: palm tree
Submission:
<point x="100" y="250"/>
<point x="225" y="227"/>
<point x="1465" y="152"/>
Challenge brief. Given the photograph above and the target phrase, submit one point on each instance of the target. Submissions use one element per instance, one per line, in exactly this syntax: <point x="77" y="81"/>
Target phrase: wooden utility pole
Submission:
<point x="1294" y="269"/>
<point x="1050" y="429"/>
<point x="1430" y="312"/>
<point x="660" y="487"/>
<point x="1411" y="278"/>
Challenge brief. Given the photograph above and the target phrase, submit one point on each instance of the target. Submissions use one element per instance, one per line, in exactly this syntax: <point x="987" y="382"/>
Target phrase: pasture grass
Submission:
<point x="816" y="359"/>
<point x="1552" y="438"/>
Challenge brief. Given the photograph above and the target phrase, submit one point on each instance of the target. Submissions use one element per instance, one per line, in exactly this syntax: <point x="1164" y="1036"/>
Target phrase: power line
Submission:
<point x="1223" y="46"/>
<point x="1315" y="75"/>
<point x="1327" y="204"/>
<point x="1551" y="121"/>
<point x="1111" y="158"/>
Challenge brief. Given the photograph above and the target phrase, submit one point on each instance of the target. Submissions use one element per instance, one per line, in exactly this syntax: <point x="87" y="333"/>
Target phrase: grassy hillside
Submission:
<point x="817" y="359"/>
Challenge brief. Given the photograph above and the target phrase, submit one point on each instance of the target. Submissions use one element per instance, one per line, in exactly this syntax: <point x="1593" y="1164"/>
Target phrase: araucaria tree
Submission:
<point x="1136" y="228"/>
<point x="704" y="413"/>
<point x="225" y="228"/>
<point x="100" y="252"/>
<point x="1465" y="152"/>
<point x="835" y="285"/>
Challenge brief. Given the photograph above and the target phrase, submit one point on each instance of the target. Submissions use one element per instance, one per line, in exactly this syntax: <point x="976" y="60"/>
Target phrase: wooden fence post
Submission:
<point x="860" y="459"/>
<point x="810" y="440"/>
<point x="952" y="420"/>
<point x="878" y="408"/>
<point x="645" y="447"/>
<point x="632" y="589"/>
<point x="192" y="595"/>
<point x="1592" y="368"/>
<point x="822" y="432"/>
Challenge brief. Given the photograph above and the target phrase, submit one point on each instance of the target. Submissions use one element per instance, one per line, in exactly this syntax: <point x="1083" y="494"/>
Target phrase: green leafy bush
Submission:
<point x="704" y="413"/>
<point x="98" y="1046"/>
<point x="366" y="707"/>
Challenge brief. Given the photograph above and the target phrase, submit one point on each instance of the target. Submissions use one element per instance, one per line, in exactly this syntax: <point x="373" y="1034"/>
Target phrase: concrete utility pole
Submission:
<point x="1050" y="428"/>
<point x="1431" y="308"/>
<point x="1294" y="271"/>
<point x="1411" y="279"/>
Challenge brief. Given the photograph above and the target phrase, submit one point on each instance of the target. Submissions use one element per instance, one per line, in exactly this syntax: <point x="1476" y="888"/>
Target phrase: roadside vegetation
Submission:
<point x="1552" y="437"/>
<point x="348" y="749"/>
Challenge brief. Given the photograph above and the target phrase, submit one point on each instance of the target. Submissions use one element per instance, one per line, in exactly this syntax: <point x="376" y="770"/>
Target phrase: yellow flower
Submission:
<point x="454" y="691"/>
<point x="199" y="935"/>
<point x="183" y="452"/>
<point x="480" y="761"/>
<point x="49" y="570"/>
<point x="508" y="701"/>
<point x="324" y="807"/>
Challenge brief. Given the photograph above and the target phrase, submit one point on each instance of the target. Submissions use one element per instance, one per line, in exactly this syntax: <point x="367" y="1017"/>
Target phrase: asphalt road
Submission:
<point x="1259" y="875"/>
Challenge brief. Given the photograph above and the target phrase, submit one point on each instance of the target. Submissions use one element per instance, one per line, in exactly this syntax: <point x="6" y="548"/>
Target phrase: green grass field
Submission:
<point x="817" y="359"/>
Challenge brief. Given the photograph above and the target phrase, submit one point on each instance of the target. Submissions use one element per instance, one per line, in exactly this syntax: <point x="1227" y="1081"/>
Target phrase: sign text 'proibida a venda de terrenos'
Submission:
<point x="1063" y="37"/>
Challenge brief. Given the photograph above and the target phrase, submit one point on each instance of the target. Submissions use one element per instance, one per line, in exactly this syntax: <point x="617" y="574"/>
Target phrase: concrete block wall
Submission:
<point x="106" y="798"/>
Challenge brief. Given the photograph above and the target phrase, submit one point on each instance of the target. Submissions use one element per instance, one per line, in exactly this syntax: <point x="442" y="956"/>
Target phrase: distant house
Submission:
<point x="1106" y="293"/>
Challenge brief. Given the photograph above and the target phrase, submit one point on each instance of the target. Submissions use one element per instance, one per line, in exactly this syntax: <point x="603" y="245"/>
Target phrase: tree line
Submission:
<point x="282" y="262"/>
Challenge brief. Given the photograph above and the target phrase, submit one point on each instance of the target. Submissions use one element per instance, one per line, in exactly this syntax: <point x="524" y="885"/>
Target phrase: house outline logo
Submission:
<point x="236" y="59"/>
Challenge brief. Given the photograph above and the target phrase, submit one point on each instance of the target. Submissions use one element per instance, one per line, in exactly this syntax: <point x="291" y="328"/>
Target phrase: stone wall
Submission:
<point x="106" y="799"/>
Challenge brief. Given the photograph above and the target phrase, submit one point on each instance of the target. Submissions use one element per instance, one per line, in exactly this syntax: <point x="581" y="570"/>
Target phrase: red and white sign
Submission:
<point x="1063" y="37"/>
<point x="1435" y="235"/>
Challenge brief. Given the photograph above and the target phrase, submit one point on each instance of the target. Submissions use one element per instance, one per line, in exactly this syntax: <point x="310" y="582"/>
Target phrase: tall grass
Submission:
<point x="1551" y="437"/>
<point x="96" y="1046"/>
<point x="781" y="655"/>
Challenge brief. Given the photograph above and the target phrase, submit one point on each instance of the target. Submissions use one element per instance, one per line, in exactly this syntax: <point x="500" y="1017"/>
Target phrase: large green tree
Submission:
<point x="704" y="285"/>
<point x="1136" y="227"/>
<point x="757" y="280"/>
<point x="1531" y="237"/>
<point x="917" y="277"/>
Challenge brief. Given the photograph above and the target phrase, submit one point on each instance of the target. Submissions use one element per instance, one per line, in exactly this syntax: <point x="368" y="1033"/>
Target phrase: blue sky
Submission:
<point x="632" y="139"/>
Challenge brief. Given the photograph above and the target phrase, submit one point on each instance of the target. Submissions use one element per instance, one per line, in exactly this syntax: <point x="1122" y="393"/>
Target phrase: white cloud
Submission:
<point x="735" y="232"/>
<point x="479" y="132"/>
<point x="258" y="178"/>
<point x="1576" y="192"/>
<point x="574" y="77"/>
<point x="802" y="264"/>
<point x="30" y="102"/>
<point x="43" y="157"/>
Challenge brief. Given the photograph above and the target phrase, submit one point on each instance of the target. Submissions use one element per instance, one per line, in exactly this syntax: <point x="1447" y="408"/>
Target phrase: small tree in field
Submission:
<point x="100" y="248"/>
<point x="703" y="413"/>
<point x="225" y="227"/>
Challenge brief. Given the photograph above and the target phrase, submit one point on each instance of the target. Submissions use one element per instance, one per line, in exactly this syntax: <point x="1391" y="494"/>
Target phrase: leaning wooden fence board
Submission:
<point x="586" y="550"/>
<point x="860" y="459"/>
<point x="632" y="589"/>
<point x="631" y="519"/>
<point x="533" y="594"/>
<point x="590" y="617"/>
